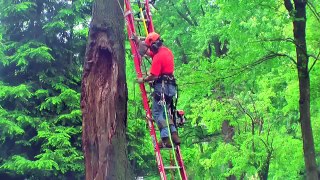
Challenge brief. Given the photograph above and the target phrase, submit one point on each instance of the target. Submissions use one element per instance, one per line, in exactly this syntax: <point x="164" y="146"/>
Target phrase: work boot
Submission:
<point x="175" y="138"/>
<point x="164" y="143"/>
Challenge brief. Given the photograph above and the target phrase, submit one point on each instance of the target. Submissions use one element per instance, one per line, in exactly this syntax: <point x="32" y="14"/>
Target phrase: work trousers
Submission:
<point x="158" y="112"/>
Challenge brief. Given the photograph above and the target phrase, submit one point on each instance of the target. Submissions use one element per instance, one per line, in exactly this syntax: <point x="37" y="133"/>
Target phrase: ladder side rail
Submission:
<point x="137" y="62"/>
<point x="149" y="17"/>
<point x="181" y="164"/>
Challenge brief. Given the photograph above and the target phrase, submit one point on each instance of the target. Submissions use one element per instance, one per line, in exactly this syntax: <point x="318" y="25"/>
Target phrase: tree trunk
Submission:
<point x="298" y="12"/>
<point x="104" y="95"/>
<point x="228" y="133"/>
<point x="264" y="172"/>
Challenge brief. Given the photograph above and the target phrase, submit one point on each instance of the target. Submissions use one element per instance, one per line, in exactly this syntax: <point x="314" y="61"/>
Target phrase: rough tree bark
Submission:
<point x="104" y="95"/>
<point x="298" y="13"/>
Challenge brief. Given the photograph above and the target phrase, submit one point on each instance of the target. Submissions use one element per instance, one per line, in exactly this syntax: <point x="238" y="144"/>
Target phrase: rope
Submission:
<point x="120" y="7"/>
<point x="171" y="163"/>
<point x="134" y="98"/>
<point x="168" y="127"/>
<point x="144" y="22"/>
<point x="123" y="13"/>
<point x="142" y="17"/>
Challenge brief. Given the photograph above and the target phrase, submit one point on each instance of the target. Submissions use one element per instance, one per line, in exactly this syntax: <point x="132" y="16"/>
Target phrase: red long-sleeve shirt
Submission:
<point x="162" y="62"/>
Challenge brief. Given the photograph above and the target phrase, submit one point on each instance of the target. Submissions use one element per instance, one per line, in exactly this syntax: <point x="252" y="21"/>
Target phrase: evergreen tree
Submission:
<point x="42" y="42"/>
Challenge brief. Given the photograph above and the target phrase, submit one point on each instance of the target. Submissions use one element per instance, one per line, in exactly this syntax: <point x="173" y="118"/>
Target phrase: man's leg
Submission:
<point x="173" y="130"/>
<point x="159" y="117"/>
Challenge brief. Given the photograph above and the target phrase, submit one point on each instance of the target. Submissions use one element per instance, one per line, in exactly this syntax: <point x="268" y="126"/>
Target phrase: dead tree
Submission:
<point x="104" y="95"/>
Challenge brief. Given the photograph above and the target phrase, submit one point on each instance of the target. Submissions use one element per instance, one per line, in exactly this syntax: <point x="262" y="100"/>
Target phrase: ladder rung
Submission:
<point x="140" y="20"/>
<point x="134" y="2"/>
<point x="172" y="167"/>
<point x="168" y="149"/>
<point x="142" y="38"/>
<point x="127" y="13"/>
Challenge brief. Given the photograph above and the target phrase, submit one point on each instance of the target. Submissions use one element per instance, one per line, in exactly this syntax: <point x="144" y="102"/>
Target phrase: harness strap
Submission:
<point x="167" y="79"/>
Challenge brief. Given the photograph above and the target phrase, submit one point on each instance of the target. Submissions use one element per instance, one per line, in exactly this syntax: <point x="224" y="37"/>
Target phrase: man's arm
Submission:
<point x="147" y="79"/>
<point x="155" y="71"/>
<point x="150" y="78"/>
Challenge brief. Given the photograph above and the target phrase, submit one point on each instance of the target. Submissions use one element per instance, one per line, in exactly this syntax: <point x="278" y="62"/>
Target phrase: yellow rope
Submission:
<point x="144" y="22"/>
<point x="170" y="138"/>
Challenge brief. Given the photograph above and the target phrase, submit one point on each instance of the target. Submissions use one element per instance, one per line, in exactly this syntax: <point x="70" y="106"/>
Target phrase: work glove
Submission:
<point x="135" y="38"/>
<point x="142" y="47"/>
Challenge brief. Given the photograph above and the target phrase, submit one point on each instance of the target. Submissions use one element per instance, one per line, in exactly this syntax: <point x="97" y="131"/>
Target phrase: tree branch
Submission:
<point x="314" y="62"/>
<point x="240" y="70"/>
<point x="284" y="55"/>
<point x="207" y="138"/>
<point x="289" y="6"/>
<point x="189" y="13"/>
<point x="183" y="16"/>
<point x="289" y="40"/>
<point x="277" y="40"/>
<point x="313" y="10"/>
<point x="245" y="111"/>
<point x="202" y="10"/>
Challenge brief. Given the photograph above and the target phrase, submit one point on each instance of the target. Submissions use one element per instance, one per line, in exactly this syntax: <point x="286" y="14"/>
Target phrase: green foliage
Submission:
<point x="8" y="128"/>
<point x="19" y="9"/>
<point x="31" y="51"/>
<point x="42" y="46"/>
<point x="21" y="92"/>
<point x="234" y="63"/>
<point x="25" y="165"/>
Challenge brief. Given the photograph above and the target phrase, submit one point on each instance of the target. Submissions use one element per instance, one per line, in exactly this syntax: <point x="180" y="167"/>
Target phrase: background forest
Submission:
<point x="238" y="84"/>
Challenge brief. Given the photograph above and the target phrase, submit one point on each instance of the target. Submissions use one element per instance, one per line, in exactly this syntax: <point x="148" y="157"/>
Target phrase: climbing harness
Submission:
<point x="144" y="16"/>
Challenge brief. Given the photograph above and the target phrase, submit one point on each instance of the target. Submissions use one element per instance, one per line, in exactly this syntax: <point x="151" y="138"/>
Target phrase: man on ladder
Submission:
<point x="161" y="72"/>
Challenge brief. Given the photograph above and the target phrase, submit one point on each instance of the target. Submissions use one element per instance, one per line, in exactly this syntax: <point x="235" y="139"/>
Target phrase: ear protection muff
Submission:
<point x="156" y="45"/>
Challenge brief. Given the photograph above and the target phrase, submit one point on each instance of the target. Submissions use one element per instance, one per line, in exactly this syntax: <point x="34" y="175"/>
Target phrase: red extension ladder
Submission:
<point x="145" y="17"/>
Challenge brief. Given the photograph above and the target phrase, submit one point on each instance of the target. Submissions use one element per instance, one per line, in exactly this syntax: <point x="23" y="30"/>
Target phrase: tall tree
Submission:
<point x="104" y="95"/>
<point x="297" y="11"/>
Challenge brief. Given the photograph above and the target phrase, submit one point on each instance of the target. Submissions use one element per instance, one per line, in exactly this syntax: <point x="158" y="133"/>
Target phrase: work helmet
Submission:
<point x="151" y="38"/>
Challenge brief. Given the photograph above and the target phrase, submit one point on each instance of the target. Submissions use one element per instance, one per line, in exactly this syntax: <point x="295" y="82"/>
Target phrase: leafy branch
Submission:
<point x="314" y="62"/>
<point x="313" y="10"/>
